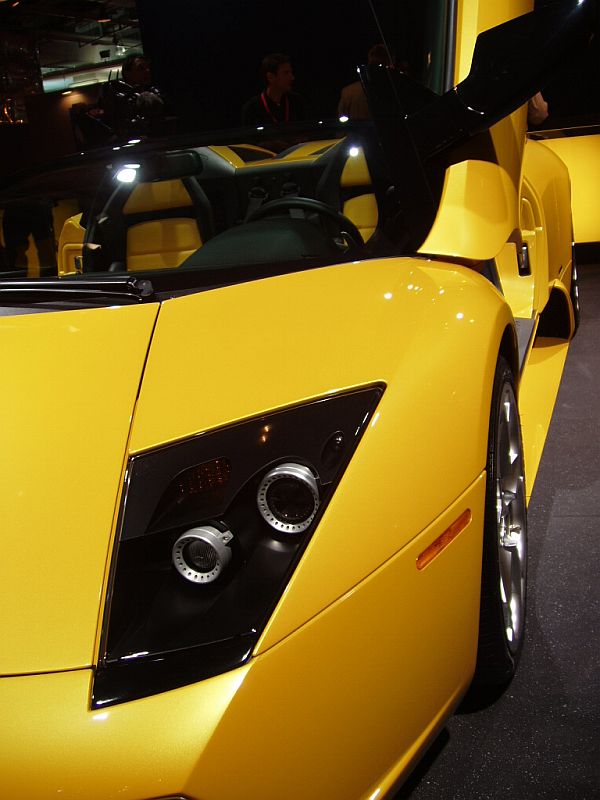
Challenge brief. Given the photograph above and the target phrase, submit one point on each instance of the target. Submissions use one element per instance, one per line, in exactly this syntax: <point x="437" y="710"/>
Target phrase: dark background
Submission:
<point x="206" y="59"/>
<point x="573" y="93"/>
<point x="207" y="56"/>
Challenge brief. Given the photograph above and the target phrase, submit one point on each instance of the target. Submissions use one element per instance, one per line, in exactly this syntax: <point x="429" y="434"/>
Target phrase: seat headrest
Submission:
<point x="158" y="196"/>
<point x="356" y="172"/>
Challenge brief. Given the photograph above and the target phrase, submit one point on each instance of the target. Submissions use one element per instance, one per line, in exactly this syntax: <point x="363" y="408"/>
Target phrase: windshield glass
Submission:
<point x="276" y="201"/>
<point x="293" y="176"/>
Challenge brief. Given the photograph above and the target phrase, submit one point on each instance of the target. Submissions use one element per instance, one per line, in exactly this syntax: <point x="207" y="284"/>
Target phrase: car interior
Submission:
<point x="221" y="206"/>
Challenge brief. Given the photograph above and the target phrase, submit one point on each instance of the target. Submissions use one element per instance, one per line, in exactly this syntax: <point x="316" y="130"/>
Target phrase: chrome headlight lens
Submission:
<point x="288" y="498"/>
<point x="201" y="554"/>
<point x="210" y="531"/>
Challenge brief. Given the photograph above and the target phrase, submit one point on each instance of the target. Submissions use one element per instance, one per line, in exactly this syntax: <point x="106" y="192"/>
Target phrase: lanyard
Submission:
<point x="270" y="112"/>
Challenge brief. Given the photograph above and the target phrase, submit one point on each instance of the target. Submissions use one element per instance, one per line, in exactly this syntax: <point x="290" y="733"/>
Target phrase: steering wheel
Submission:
<point x="346" y="227"/>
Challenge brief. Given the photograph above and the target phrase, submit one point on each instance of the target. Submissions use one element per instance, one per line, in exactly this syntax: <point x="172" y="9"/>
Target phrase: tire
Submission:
<point x="574" y="295"/>
<point x="504" y="562"/>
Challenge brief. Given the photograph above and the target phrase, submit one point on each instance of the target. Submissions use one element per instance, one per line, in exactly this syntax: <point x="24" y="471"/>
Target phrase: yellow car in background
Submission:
<point x="269" y="436"/>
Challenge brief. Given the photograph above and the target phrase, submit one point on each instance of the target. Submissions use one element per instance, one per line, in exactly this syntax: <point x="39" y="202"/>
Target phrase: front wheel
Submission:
<point x="504" y="565"/>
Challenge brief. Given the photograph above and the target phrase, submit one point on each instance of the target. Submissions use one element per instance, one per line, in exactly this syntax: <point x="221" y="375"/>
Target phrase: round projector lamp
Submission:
<point x="201" y="554"/>
<point x="288" y="498"/>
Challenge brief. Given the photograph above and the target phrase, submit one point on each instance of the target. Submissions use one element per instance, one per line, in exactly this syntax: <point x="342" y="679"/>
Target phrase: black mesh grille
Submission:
<point x="201" y="556"/>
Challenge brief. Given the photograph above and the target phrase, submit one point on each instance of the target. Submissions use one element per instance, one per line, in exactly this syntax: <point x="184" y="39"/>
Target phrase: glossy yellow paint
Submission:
<point x="581" y="154"/>
<point x="537" y="396"/>
<point x="476" y="212"/>
<point x="185" y="739"/>
<point x="480" y="206"/>
<point x="337" y="658"/>
<point x="357" y="619"/>
<point x="508" y="136"/>
<point x="138" y="750"/>
<point x="62" y="459"/>
<point x="219" y="367"/>
<point x="546" y="185"/>
<point x="518" y="289"/>
<point x="475" y="16"/>
<point x="381" y="308"/>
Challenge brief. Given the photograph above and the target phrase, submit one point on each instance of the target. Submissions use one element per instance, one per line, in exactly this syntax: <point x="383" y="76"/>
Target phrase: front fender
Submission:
<point x="430" y="332"/>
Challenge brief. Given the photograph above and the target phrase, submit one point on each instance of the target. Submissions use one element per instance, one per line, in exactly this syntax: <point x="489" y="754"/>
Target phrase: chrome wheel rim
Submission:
<point x="511" y="518"/>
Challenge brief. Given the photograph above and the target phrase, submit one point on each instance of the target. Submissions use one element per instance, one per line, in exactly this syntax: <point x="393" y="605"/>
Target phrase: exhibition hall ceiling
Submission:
<point x="73" y="36"/>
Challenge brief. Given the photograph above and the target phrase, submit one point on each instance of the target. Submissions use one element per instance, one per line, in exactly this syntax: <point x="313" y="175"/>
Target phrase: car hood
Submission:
<point x="69" y="384"/>
<point x="84" y="390"/>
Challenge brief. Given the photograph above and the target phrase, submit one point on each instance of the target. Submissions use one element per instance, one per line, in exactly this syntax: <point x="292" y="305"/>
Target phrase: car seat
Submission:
<point x="346" y="185"/>
<point x="164" y="223"/>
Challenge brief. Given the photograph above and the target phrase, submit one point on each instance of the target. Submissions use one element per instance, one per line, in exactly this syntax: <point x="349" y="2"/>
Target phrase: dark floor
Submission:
<point x="541" y="739"/>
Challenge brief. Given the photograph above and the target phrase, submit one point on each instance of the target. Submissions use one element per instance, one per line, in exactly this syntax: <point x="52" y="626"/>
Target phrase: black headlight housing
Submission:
<point x="210" y="531"/>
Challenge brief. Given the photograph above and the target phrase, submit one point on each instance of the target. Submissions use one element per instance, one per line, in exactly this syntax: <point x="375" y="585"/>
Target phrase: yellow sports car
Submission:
<point x="264" y="480"/>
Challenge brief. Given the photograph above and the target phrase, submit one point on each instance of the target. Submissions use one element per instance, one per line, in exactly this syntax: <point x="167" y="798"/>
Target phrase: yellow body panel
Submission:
<point x="474" y="17"/>
<point x="406" y="305"/>
<point x="581" y="154"/>
<point x="480" y="206"/>
<point x="476" y="214"/>
<point x="545" y="222"/>
<point x="537" y="396"/>
<point x="63" y="447"/>
<point x="364" y="654"/>
<point x="548" y="177"/>
<point x="508" y="135"/>
<point x="52" y="717"/>
<point x="518" y="289"/>
<point x="186" y="738"/>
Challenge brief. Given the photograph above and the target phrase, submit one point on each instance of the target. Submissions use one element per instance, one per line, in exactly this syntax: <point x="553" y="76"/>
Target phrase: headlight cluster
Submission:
<point x="210" y="531"/>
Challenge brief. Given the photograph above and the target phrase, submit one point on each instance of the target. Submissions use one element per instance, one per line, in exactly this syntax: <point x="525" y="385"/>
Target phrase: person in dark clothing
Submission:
<point x="132" y="106"/>
<point x="277" y="104"/>
<point x="353" y="101"/>
<point x="129" y="107"/>
<point x="21" y="219"/>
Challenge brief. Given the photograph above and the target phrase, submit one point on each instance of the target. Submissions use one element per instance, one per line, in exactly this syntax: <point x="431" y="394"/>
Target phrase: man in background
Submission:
<point x="132" y="106"/>
<point x="353" y="102"/>
<point x="277" y="103"/>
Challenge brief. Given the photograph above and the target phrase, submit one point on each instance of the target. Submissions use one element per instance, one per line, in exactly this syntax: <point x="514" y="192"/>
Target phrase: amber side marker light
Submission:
<point x="436" y="547"/>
